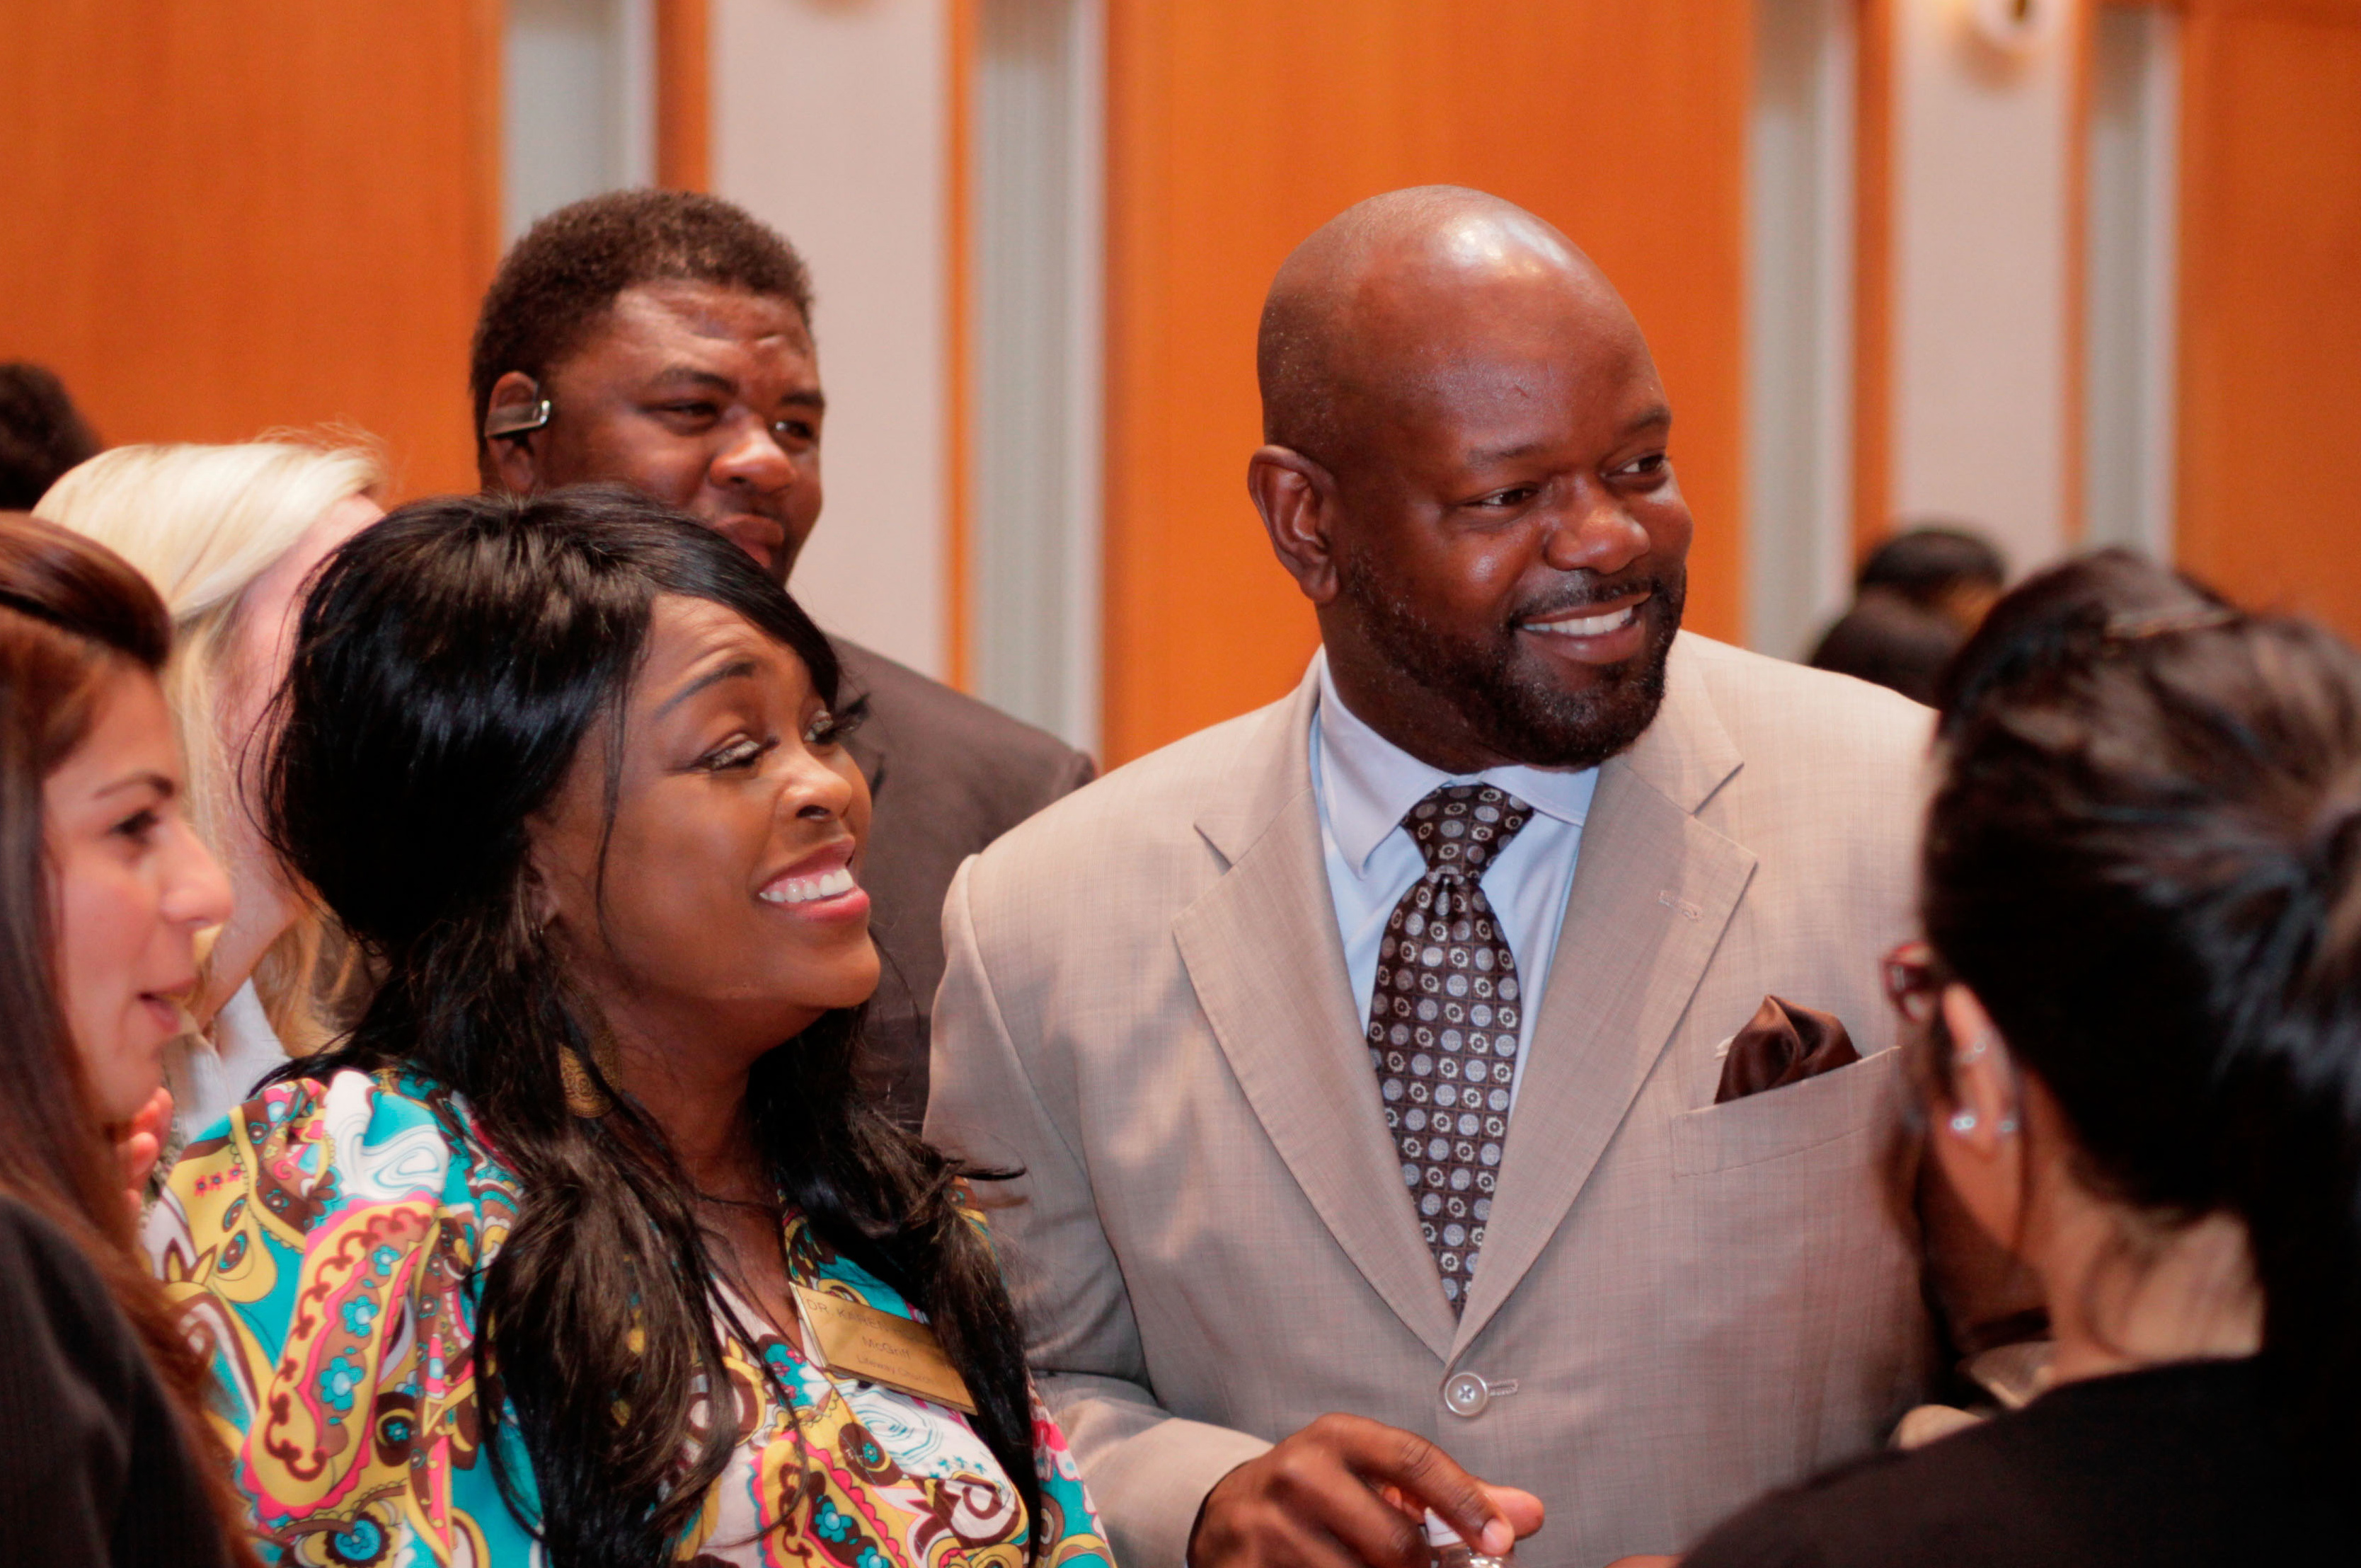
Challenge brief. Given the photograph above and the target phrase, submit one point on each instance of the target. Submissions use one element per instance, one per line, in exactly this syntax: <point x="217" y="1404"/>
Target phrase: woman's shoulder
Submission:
<point x="1981" y="1495"/>
<point x="45" y="1278"/>
<point x="1822" y="1522"/>
<point x="2167" y="1466"/>
<point x="306" y="1154"/>
<point x="89" y="1451"/>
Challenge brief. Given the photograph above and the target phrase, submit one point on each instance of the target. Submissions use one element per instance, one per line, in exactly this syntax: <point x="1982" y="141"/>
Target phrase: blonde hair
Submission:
<point x="203" y="523"/>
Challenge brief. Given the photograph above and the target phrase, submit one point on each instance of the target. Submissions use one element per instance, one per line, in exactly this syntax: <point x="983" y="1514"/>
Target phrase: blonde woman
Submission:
<point x="229" y="535"/>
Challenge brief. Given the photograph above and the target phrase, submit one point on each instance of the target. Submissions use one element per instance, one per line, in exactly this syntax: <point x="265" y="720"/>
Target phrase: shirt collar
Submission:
<point x="1369" y="784"/>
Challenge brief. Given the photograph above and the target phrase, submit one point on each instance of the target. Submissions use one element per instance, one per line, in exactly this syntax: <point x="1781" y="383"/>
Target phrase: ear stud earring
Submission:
<point x="1963" y="1121"/>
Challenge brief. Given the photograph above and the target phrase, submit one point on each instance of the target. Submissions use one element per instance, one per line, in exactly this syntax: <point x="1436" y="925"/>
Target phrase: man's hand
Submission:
<point x="1350" y="1493"/>
<point x="140" y="1143"/>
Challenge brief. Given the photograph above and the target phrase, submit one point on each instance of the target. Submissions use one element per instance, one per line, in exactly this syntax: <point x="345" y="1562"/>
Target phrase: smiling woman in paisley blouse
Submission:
<point x="560" y="1244"/>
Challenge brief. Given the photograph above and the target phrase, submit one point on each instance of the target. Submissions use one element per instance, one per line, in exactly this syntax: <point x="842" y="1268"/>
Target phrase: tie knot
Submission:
<point x="1464" y="826"/>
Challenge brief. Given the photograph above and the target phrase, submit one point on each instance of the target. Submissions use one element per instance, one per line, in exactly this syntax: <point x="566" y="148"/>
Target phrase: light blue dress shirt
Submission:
<point x="1366" y="785"/>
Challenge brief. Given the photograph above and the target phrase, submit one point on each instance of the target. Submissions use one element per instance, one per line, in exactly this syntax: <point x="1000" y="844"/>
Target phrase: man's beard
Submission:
<point x="1499" y="686"/>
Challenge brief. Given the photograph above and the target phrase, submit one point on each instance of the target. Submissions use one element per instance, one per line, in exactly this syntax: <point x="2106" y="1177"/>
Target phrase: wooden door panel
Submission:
<point x="224" y="216"/>
<point x="2270" y="356"/>
<point x="1237" y="127"/>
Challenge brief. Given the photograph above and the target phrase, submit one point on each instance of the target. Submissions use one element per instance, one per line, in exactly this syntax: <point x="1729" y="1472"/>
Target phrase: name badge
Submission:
<point x="857" y="1341"/>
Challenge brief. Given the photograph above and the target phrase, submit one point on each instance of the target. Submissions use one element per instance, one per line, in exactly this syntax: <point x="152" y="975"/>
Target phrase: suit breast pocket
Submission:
<point x="1777" y="1122"/>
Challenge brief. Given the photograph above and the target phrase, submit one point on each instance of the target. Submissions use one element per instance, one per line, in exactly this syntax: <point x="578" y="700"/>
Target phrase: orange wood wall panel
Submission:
<point x="683" y="93"/>
<point x="1237" y="127"/>
<point x="1873" y="274"/>
<point x="223" y="215"/>
<point x="2270" y="317"/>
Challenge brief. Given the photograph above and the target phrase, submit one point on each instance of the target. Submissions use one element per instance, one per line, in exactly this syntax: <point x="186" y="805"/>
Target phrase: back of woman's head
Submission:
<point x="206" y="524"/>
<point x="2145" y="858"/>
<point x="203" y="523"/>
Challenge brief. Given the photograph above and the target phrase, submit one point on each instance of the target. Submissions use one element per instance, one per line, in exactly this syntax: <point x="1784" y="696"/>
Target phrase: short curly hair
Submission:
<point x="558" y="281"/>
<point x="42" y="434"/>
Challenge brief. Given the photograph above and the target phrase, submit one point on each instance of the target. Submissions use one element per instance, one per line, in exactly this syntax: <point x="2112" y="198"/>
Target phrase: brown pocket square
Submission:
<point x="1784" y="1043"/>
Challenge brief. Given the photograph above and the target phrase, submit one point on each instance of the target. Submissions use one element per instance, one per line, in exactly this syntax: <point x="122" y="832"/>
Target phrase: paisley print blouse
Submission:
<point x="320" y="1246"/>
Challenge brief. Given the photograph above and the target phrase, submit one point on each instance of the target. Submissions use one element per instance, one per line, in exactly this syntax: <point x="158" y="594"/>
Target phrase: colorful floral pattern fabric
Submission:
<point x="319" y="1245"/>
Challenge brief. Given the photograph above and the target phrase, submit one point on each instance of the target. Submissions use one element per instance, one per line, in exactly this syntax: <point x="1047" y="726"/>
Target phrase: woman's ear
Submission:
<point x="538" y="898"/>
<point x="1974" y="1131"/>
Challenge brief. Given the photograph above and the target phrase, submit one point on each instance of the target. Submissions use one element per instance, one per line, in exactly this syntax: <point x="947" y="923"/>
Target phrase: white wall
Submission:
<point x="1981" y="160"/>
<point x="1799" y="564"/>
<point x="830" y="123"/>
<point x="578" y="104"/>
<point x="1040" y="254"/>
<point x="2129" y="326"/>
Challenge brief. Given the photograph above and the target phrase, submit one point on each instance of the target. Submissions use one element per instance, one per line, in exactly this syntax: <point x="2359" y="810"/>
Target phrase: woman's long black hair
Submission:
<point x="2144" y="856"/>
<point x="448" y="664"/>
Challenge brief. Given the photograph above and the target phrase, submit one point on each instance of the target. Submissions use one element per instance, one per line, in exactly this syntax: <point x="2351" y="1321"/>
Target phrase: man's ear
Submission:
<point x="513" y="463"/>
<point x="1297" y="499"/>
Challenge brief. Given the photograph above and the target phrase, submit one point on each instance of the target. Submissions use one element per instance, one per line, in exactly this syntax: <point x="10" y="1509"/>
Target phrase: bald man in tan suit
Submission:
<point x="1367" y="1054"/>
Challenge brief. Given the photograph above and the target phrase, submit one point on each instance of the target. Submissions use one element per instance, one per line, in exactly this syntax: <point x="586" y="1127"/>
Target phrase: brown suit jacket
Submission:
<point x="1680" y="1303"/>
<point x="948" y="775"/>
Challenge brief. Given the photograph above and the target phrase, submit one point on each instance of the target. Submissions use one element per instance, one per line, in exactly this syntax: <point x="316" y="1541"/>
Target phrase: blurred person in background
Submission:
<point x="103" y="1454"/>
<point x="2140" y="1063"/>
<point x="229" y="535"/>
<point x="571" y="770"/>
<point x="1946" y="569"/>
<point x="663" y="339"/>
<point x="1918" y="597"/>
<point x="42" y="434"/>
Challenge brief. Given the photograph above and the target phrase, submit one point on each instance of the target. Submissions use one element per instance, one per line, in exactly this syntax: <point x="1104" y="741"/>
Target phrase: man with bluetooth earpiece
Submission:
<point x="663" y="340"/>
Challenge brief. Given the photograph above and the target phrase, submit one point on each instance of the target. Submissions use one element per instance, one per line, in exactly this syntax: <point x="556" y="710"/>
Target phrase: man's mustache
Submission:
<point x="1579" y="594"/>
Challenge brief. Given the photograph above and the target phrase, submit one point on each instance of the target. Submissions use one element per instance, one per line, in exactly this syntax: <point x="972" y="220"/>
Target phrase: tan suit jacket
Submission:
<point x="1679" y="1304"/>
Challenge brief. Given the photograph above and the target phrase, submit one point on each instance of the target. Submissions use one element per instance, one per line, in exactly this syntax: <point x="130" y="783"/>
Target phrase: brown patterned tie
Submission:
<point x="1443" y="1023"/>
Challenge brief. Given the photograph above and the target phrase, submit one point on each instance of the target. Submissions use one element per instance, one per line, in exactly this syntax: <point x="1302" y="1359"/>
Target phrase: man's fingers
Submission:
<point x="1370" y="1529"/>
<point x="1348" y="1492"/>
<point x="1433" y="1480"/>
<point x="1521" y="1510"/>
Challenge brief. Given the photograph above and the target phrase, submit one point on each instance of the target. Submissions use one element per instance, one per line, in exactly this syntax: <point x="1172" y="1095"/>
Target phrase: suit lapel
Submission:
<point x="1264" y="955"/>
<point x="1652" y="892"/>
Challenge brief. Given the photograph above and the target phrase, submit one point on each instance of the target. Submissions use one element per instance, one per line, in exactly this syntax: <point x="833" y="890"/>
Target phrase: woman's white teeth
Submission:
<point x="1588" y="626"/>
<point x="804" y="889"/>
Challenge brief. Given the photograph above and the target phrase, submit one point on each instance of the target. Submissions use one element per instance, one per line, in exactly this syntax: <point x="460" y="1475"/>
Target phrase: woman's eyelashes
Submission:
<point x="738" y="752"/>
<point x="826" y="729"/>
<point x="823" y="731"/>
<point x="140" y="826"/>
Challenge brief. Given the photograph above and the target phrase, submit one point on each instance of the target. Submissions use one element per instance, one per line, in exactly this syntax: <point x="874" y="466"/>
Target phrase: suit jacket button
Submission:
<point x="1465" y="1394"/>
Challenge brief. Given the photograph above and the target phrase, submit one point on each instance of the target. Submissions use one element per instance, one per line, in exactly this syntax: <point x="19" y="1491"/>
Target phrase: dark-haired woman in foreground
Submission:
<point x="104" y="887"/>
<point x="539" y="1251"/>
<point x="2141" y="1000"/>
